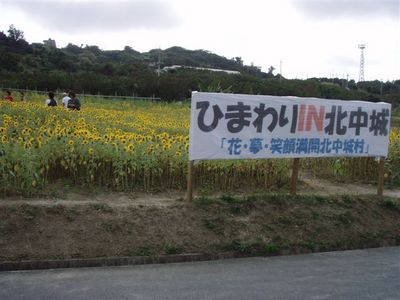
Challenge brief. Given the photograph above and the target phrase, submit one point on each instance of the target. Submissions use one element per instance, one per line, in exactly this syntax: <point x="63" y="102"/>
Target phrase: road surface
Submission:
<point x="358" y="274"/>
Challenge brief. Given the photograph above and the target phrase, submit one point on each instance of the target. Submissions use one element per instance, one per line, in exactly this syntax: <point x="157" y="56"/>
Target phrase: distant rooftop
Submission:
<point x="174" y="67"/>
<point x="50" y="42"/>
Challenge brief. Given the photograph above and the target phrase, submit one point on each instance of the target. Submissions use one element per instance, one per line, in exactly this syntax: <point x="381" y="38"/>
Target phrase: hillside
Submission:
<point x="88" y="69"/>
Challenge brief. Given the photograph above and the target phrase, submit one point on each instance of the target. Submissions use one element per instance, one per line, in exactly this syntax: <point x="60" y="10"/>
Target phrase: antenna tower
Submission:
<point x="361" y="77"/>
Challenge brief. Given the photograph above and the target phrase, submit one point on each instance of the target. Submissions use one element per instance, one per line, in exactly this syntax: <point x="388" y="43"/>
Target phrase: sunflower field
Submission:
<point x="134" y="145"/>
<point x="362" y="169"/>
<point x="114" y="144"/>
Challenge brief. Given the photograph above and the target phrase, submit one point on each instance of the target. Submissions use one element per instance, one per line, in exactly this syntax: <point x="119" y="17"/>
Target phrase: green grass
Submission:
<point x="143" y="251"/>
<point x="101" y="207"/>
<point x="271" y="248"/>
<point x="171" y="249"/>
<point x="214" y="224"/>
<point x="28" y="212"/>
<point x="239" y="246"/>
<point x="70" y="213"/>
<point x="391" y="203"/>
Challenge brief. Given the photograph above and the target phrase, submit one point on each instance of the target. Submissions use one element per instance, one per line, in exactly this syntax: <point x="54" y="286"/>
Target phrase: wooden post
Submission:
<point x="295" y="173"/>
<point x="381" y="176"/>
<point x="189" y="193"/>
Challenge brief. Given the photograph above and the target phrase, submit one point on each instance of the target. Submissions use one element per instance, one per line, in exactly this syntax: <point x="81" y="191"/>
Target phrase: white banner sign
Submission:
<point x="232" y="126"/>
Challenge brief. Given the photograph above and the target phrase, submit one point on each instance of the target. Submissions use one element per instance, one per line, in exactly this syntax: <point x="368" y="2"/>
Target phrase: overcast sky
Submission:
<point x="311" y="37"/>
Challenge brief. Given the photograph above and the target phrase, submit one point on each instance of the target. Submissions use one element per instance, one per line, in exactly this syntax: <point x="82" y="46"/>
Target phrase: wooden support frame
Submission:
<point x="189" y="192"/>
<point x="293" y="179"/>
<point x="295" y="174"/>
<point x="381" y="176"/>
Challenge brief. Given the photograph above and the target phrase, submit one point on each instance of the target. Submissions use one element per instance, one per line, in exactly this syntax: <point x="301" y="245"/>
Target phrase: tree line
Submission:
<point x="128" y="72"/>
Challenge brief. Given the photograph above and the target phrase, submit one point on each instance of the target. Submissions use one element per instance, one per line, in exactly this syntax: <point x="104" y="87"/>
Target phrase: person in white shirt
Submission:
<point x="65" y="100"/>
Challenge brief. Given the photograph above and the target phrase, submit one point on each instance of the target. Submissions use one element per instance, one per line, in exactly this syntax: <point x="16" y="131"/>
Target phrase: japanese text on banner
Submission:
<point x="225" y="126"/>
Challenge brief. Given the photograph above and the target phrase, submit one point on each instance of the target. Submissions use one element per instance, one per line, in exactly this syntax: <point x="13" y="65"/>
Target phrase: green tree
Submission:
<point x="271" y="70"/>
<point x="15" y="34"/>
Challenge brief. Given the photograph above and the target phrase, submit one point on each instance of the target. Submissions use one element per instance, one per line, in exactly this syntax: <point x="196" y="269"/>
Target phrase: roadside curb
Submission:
<point x="166" y="259"/>
<point x="114" y="261"/>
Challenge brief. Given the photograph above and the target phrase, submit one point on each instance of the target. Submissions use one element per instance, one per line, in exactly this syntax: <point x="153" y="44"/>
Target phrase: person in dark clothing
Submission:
<point x="51" y="101"/>
<point x="74" y="102"/>
<point x="22" y="96"/>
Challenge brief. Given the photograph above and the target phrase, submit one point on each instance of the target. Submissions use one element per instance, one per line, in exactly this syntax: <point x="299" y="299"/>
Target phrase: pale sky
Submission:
<point x="312" y="38"/>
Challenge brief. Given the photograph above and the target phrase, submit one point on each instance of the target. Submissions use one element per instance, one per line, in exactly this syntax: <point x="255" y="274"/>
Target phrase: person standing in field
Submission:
<point x="65" y="100"/>
<point x="51" y="101"/>
<point x="8" y="96"/>
<point x="22" y="96"/>
<point x="74" y="102"/>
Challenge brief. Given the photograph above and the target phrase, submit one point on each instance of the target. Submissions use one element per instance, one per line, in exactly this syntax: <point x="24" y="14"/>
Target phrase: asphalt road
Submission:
<point x="358" y="274"/>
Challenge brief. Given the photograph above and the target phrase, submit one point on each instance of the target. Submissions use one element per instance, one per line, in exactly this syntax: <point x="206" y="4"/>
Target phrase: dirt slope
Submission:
<point x="117" y="224"/>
